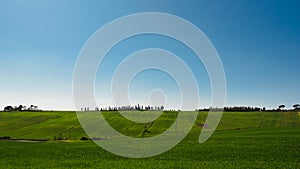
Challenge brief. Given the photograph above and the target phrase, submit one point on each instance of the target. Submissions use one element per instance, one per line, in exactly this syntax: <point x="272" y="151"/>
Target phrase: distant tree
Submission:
<point x="281" y="107"/>
<point x="8" y="108"/>
<point x="296" y="106"/>
<point x="33" y="108"/>
<point x="20" y="108"/>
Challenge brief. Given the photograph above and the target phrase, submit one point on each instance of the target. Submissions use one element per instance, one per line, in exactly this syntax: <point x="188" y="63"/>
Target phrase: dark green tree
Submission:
<point x="281" y="107"/>
<point x="296" y="106"/>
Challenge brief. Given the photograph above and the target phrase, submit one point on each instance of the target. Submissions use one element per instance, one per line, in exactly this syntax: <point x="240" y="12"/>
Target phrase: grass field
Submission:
<point x="242" y="140"/>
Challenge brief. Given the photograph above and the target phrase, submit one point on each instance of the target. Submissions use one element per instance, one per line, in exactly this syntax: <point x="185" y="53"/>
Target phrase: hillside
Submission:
<point x="65" y="125"/>
<point x="242" y="140"/>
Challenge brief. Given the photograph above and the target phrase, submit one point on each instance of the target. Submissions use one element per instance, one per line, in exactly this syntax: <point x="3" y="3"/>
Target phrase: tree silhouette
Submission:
<point x="20" y="108"/>
<point x="296" y="106"/>
<point x="281" y="107"/>
<point x="8" y="108"/>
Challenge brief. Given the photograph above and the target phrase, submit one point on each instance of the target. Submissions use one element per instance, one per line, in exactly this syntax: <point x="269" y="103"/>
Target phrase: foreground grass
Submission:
<point x="251" y="148"/>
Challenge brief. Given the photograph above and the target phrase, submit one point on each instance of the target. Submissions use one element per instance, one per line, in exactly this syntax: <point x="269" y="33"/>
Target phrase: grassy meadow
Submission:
<point x="242" y="140"/>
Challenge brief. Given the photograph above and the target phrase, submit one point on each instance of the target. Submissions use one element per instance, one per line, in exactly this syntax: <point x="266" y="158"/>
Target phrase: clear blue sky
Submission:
<point x="258" y="42"/>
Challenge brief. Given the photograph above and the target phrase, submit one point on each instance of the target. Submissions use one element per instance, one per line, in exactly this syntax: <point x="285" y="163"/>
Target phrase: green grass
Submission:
<point x="47" y="125"/>
<point x="242" y="140"/>
<point x="40" y="125"/>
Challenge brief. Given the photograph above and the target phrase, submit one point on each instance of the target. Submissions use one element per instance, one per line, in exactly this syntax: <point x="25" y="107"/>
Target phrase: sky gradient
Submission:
<point x="258" y="42"/>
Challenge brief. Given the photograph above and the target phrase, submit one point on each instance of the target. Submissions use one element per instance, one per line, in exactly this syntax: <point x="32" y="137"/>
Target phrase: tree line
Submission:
<point x="21" y="108"/>
<point x="282" y="107"/>
<point x="124" y="108"/>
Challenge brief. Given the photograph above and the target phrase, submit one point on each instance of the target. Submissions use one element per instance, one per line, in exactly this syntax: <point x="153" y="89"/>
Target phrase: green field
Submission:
<point x="242" y="140"/>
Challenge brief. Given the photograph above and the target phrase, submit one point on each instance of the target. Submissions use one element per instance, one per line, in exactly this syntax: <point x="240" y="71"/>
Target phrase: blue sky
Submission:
<point x="258" y="42"/>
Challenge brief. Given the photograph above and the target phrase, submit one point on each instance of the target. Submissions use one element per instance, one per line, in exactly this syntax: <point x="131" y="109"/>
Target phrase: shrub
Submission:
<point x="5" y="138"/>
<point x="84" y="138"/>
